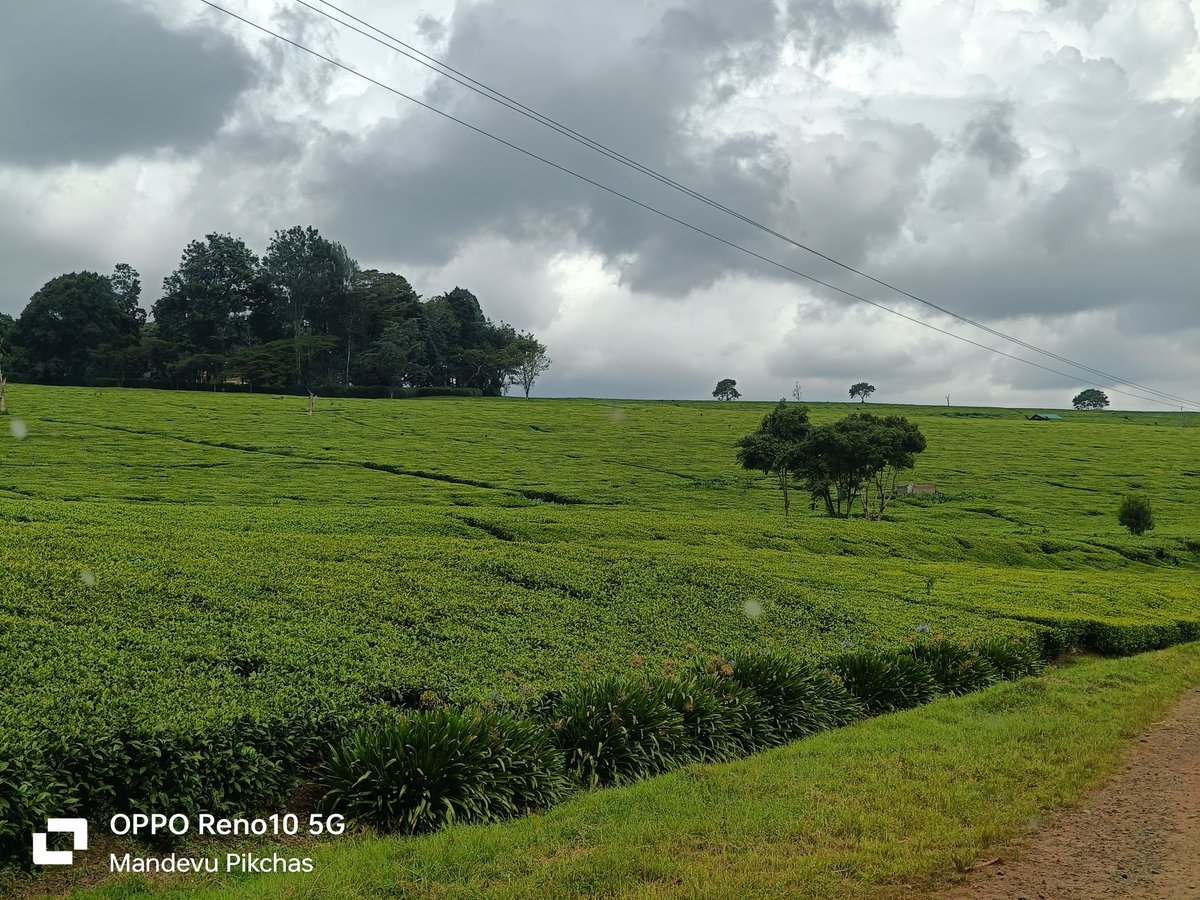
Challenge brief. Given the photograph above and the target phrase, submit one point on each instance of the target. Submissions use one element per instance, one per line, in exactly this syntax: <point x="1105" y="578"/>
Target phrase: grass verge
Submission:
<point x="885" y="807"/>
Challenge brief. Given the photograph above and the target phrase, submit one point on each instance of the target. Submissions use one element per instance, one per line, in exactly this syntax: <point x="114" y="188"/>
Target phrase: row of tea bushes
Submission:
<point x="603" y="732"/>
<point x="250" y="762"/>
<point x="434" y="767"/>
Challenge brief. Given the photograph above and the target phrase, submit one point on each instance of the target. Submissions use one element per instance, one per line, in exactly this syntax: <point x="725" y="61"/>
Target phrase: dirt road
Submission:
<point x="1136" y="836"/>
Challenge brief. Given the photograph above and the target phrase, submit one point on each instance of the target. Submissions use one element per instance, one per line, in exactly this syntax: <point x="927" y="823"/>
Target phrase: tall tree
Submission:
<point x="69" y="320"/>
<point x="778" y="447"/>
<point x="392" y="357"/>
<point x="463" y="347"/>
<point x="311" y="278"/>
<point x="529" y="360"/>
<point x="207" y="299"/>
<point x="377" y="301"/>
<point x="127" y="285"/>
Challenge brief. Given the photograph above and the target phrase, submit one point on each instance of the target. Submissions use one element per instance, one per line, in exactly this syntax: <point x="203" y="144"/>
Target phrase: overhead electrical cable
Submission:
<point x="447" y="71"/>
<point x="695" y="228"/>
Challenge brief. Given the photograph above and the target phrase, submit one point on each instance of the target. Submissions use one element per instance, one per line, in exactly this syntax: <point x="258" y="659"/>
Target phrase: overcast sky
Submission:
<point x="1033" y="165"/>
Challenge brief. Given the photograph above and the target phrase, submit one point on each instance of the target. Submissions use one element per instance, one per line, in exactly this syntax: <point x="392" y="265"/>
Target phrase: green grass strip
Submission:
<point x="885" y="806"/>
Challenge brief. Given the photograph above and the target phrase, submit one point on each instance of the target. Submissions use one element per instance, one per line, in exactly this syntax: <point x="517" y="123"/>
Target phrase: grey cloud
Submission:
<point x="825" y="28"/>
<point x="636" y="87"/>
<point x="1189" y="164"/>
<point x="989" y="137"/>
<point x="32" y="260"/>
<point x="1088" y="12"/>
<point x="431" y="29"/>
<point x="1082" y="207"/>
<point x="643" y="82"/>
<point x="1154" y="273"/>
<point x="91" y="80"/>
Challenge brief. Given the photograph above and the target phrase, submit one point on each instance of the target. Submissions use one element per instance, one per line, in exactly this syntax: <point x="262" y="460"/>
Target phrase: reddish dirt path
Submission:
<point x="1136" y="836"/>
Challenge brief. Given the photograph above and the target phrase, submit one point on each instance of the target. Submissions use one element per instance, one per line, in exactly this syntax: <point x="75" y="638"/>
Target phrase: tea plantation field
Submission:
<point x="177" y="562"/>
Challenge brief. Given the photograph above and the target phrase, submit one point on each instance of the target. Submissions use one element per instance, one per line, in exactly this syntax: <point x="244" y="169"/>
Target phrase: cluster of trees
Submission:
<point x="857" y="458"/>
<point x="302" y="315"/>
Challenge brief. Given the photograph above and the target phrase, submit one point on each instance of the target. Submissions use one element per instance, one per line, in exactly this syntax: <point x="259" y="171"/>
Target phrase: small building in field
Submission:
<point x="1045" y="417"/>
<point x="916" y="489"/>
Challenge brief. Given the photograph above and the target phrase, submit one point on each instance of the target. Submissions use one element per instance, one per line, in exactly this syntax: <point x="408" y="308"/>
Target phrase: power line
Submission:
<point x="456" y="75"/>
<point x="695" y="228"/>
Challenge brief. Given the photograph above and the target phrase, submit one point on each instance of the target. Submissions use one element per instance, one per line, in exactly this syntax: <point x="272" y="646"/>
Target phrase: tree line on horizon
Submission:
<point x="303" y="315"/>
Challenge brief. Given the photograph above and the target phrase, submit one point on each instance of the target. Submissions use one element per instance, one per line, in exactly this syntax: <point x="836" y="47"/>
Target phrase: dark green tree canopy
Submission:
<point x="67" y="327"/>
<point x="206" y="301"/>
<point x="1090" y="399"/>
<point x="127" y="285"/>
<point x="778" y="446"/>
<point x="225" y="315"/>
<point x="862" y="390"/>
<point x="1135" y="514"/>
<point x="726" y="389"/>
<point x="858" y="457"/>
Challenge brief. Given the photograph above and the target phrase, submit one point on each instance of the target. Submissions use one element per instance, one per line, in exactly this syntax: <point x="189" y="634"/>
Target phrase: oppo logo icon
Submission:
<point x="75" y="827"/>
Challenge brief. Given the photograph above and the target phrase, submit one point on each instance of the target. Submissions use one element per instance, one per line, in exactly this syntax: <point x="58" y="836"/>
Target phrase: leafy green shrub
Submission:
<point x="721" y="719"/>
<point x="1010" y="657"/>
<point x="957" y="668"/>
<point x="429" y="768"/>
<point x="885" y="681"/>
<point x="250" y="761"/>
<point x="529" y="773"/>
<point x="618" y="729"/>
<point x="800" y="698"/>
<point x="29" y="794"/>
<point x="1135" y="514"/>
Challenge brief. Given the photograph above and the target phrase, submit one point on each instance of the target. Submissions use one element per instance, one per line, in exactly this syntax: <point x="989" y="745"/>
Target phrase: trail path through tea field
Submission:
<point x="1136" y="836"/>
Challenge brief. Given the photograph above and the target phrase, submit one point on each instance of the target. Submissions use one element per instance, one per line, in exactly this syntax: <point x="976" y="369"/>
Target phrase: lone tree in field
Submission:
<point x="1135" y="514"/>
<point x="529" y="361"/>
<point x="778" y="447"/>
<point x="862" y="391"/>
<point x="726" y="389"/>
<point x="1090" y="399"/>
